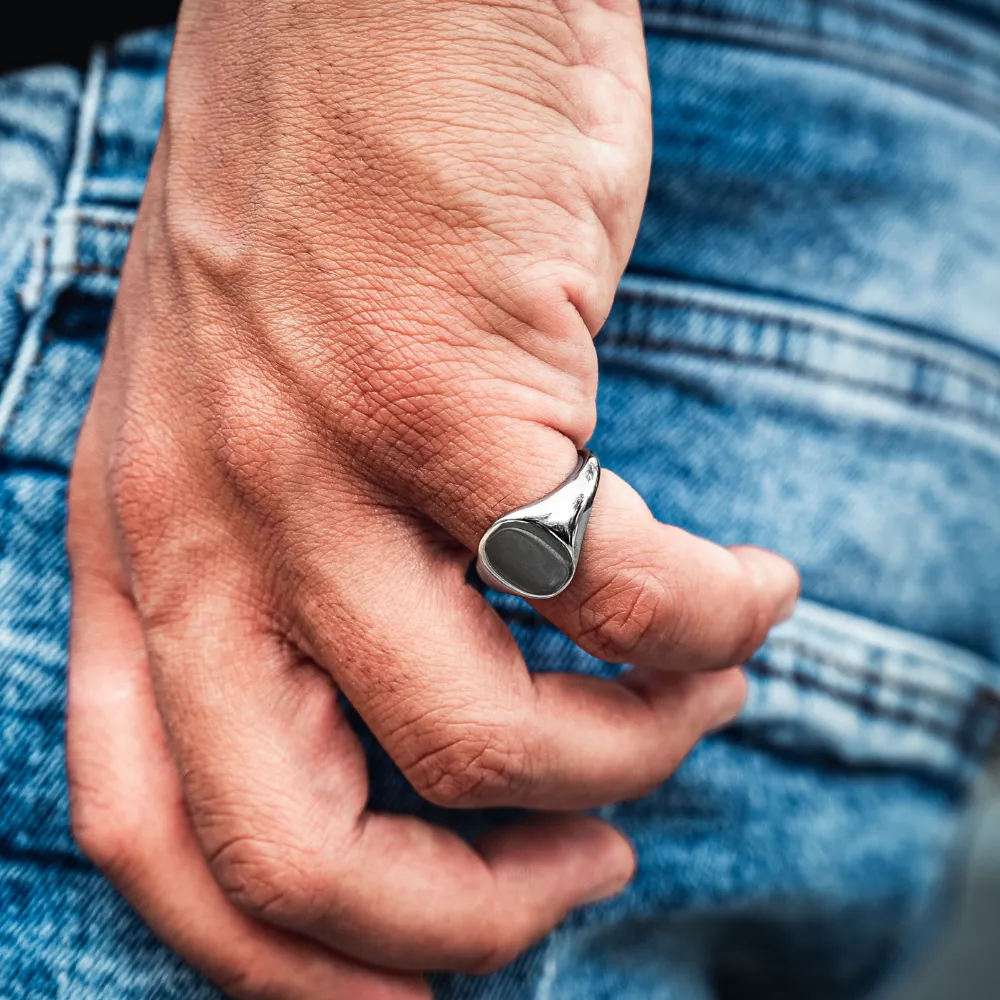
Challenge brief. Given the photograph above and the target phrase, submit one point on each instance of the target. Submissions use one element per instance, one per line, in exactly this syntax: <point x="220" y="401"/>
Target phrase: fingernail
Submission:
<point x="606" y="890"/>
<point x="788" y="583"/>
<point x="732" y="698"/>
<point x="614" y="883"/>
<point x="777" y="577"/>
<point x="787" y="606"/>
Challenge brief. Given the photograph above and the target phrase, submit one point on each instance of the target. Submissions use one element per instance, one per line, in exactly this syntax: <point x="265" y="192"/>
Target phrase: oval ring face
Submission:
<point x="534" y="551"/>
<point x="523" y="557"/>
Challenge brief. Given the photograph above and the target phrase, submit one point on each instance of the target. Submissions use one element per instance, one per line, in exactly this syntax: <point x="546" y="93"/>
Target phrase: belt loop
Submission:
<point x="62" y="252"/>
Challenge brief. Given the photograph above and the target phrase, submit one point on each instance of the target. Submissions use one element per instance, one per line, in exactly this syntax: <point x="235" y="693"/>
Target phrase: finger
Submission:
<point x="129" y="818"/>
<point x="441" y="682"/>
<point x="654" y="595"/>
<point x="645" y="592"/>
<point x="276" y="784"/>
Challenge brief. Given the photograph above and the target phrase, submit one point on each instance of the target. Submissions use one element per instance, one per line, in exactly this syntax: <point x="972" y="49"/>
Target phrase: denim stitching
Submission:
<point x="964" y="737"/>
<point x="983" y="704"/>
<point x="96" y="269"/>
<point x="921" y="74"/>
<point x="763" y="317"/>
<point x="115" y="225"/>
<point x="868" y="676"/>
<point x="62" y="249"/>
<point x="932" y="35"/>
<point x="910" y="397"/>
<point x="31" y="466"/>
<point x="944" y="89"/>
<point x="915" y="395"/>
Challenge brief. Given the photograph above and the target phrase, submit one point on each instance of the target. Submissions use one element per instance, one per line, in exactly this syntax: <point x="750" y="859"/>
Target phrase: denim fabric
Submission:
<point x="804" y="354"/>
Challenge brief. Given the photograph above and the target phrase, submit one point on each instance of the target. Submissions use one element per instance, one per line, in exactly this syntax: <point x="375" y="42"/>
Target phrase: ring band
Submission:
<point x="534" y="551"/>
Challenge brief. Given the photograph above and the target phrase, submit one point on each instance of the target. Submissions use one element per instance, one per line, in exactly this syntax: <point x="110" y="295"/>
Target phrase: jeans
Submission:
<point x="804" y="354"/>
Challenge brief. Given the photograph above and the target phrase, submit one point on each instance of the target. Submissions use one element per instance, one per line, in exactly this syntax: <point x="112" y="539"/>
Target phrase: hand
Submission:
<point x="354" y="328"/>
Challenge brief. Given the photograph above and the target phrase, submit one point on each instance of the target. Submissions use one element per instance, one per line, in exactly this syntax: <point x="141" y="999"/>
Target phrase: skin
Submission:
<point x="354" y="327"/>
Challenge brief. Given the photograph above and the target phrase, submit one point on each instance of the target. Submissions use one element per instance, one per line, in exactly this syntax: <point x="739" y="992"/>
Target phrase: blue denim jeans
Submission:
<point x="804" y="354"/>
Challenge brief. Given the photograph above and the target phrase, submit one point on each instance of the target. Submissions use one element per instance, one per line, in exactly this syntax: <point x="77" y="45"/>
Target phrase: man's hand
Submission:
<point x="354" y="328"/>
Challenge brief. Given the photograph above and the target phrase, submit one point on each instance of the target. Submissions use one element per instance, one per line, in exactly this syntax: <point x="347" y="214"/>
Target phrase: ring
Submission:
<point x="534" y="551"/>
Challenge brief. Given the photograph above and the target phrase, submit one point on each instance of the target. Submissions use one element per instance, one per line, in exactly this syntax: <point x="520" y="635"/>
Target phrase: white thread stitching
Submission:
<point x="64" y="241"/>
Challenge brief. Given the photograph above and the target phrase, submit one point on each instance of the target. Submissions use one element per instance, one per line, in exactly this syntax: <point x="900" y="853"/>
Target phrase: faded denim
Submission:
<point x="804" y="354"/>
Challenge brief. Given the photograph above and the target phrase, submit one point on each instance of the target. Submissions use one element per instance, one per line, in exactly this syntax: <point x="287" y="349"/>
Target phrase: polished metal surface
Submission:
<point x="534" y="551"/>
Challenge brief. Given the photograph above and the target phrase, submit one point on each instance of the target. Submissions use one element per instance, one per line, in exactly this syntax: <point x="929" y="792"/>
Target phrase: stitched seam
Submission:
<point x="910" y="715"/>
<point x="912" y="397"/>
<point x="930" y="34"/>
<point x="641" y="283"/>
<point x="56" y="859"/>
<point x="31" y="466"/>
<point x="115" y="225"/>
<point x="923" y="364"/>
<point x="934" y="85"/>
<point x="64" y="242"/>
<point x="868" y="676"/>
<point x="966" y="737"/>
<point x="942" y="82"/>
<point x="863" y="13"/>
<point x="779" y="321"/>
<point x="105" y="225"/>
<point x="95" y="269"/>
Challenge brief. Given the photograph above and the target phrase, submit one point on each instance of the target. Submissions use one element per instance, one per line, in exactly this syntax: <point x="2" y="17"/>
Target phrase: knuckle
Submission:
<point x="239" y="981"/>
<point x="745" y="621"/>
<point x="422" y="418"/>
<point x="462" y="767"/>
<point x="246" y="977"/>
<point x="499" y="942"/>
<point x="494" y="957"/>
<point x="750" y="623"/>
<point x="260" y="876"/>
<point x="622" y="614"/>
<point x="499" y="939"/>
<point x="107" y="834"/>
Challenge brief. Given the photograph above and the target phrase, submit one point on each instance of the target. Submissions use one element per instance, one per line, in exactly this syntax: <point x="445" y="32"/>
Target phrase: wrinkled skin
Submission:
<point x="354" y="328"/>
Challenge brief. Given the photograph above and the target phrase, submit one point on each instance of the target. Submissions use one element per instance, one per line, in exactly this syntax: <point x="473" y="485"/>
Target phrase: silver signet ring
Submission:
<point x="534" y="551"/>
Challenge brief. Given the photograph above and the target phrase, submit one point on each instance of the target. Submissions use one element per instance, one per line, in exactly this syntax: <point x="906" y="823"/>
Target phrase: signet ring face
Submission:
<point x="534" y="551"/>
